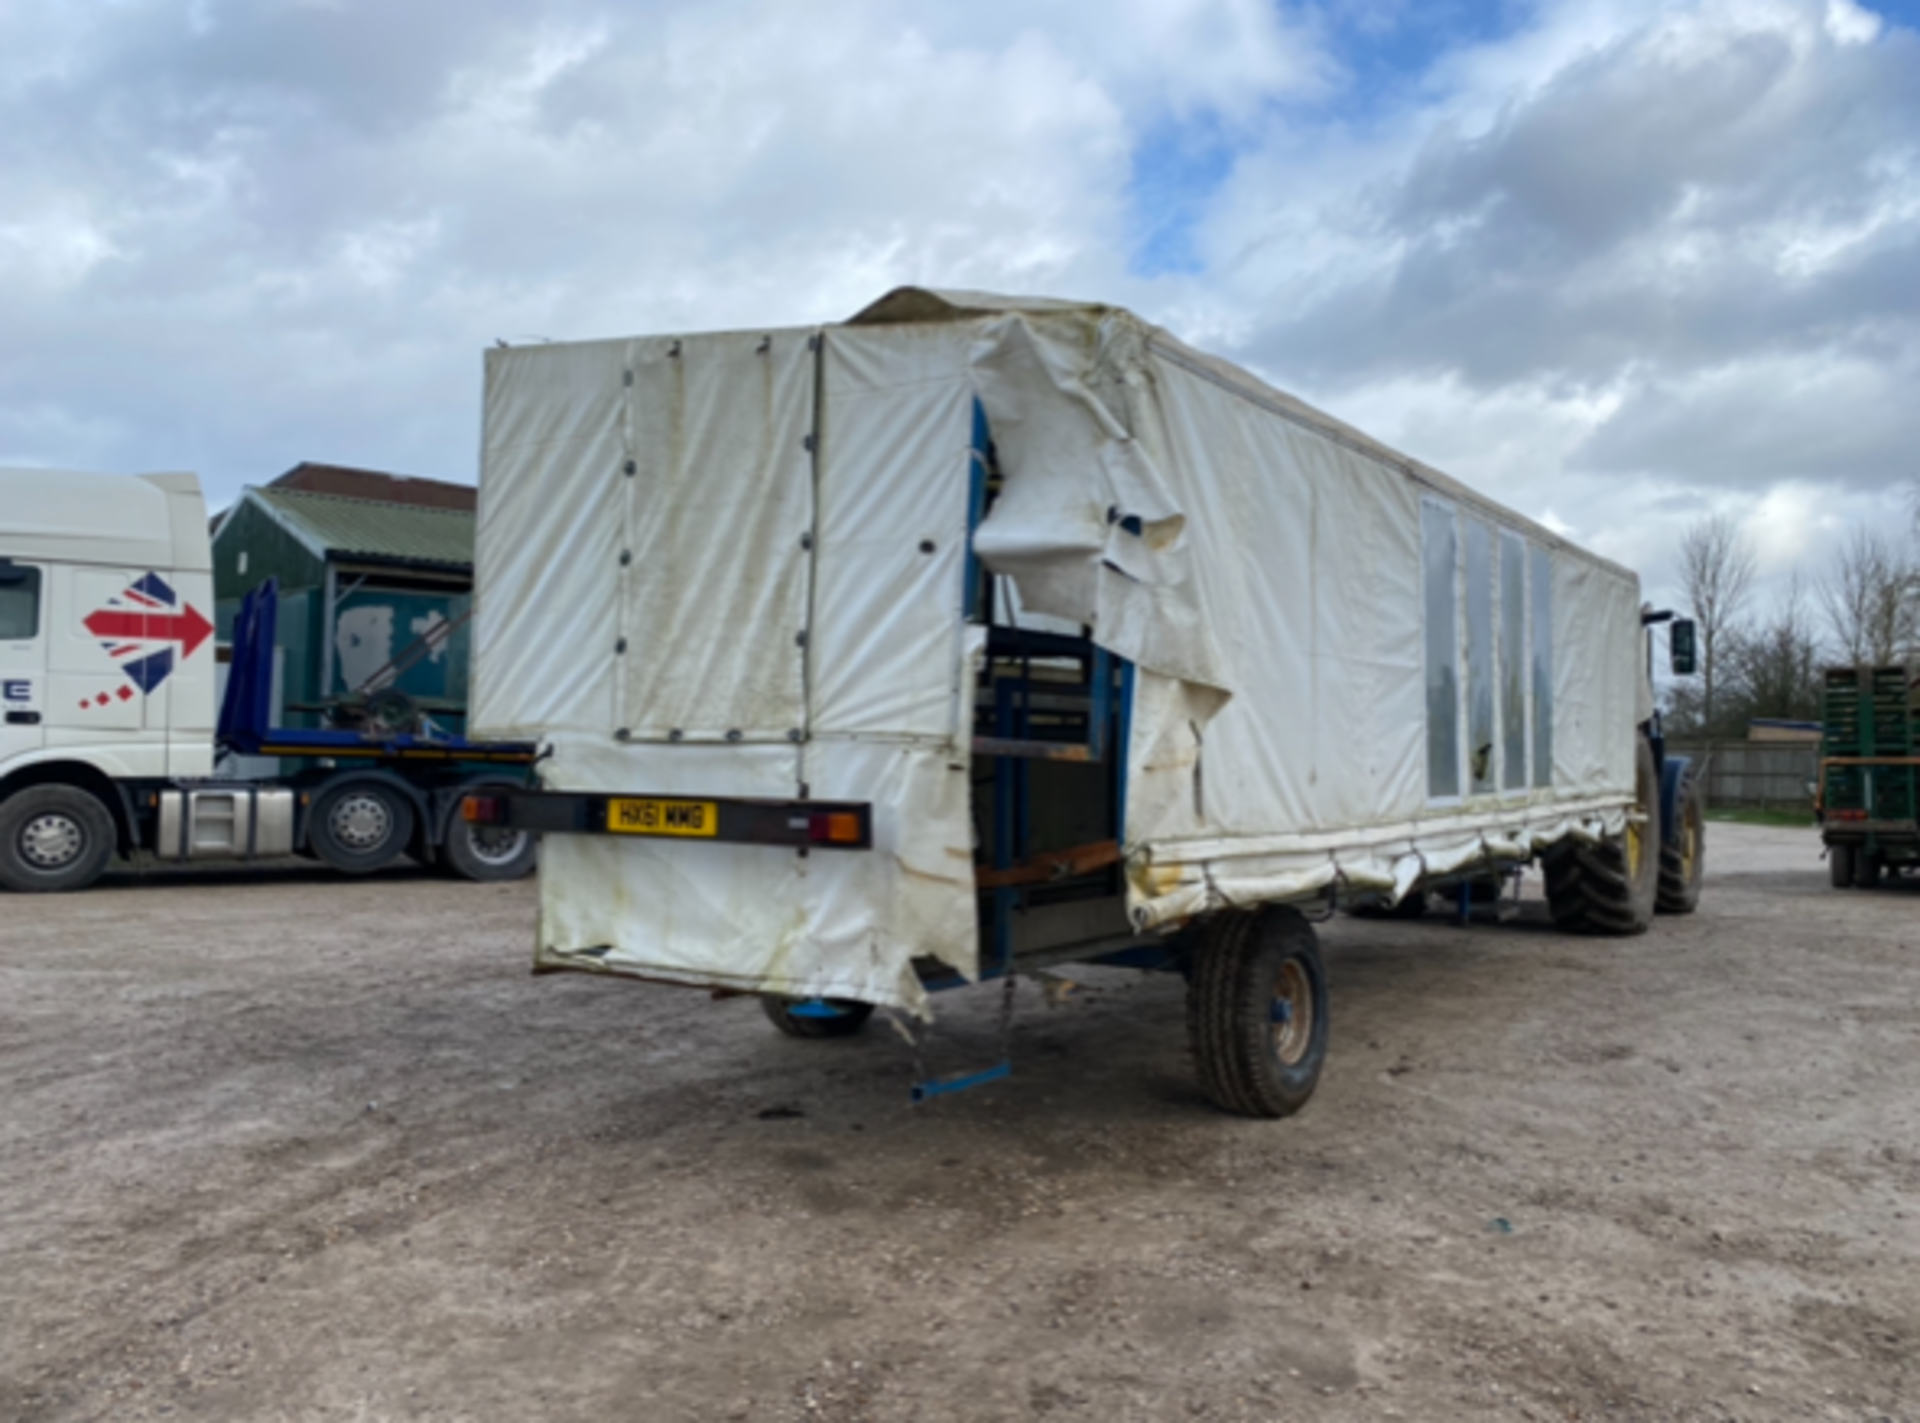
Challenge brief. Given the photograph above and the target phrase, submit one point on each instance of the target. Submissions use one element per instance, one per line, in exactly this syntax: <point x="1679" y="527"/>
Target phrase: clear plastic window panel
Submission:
<point x="1540" y="585"/>
<point x="1438" y="558"/>
<point x="1480" y="746"/>
<point x="20" y="605"/>
<point x="1513" y="661"/>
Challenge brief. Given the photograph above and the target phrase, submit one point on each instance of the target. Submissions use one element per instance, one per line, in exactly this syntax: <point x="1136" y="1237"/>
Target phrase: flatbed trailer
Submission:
<point x="1866" y="799"/>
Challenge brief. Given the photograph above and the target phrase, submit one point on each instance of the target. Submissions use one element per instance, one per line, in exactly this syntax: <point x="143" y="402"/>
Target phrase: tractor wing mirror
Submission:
<point x="1681" y="657"/>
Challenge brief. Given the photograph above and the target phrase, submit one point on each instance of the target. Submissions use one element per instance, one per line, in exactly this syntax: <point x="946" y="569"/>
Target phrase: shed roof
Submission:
<point x="371" y="531"/>
<point x="313" y="478"/>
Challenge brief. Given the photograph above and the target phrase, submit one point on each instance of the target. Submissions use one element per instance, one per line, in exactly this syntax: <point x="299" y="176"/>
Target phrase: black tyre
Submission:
<point x="1866" y="868"/>
<point x="1611" y="887"/>
<point x="1257" y="1011"/>
<point x="53" y="838"/>
<point x="816" y="1017"/>
<point x="1840" y="866"/>
<point x="1683" y="858"/>
<point x="360" y="826"/>
<point x="487" y="852"/>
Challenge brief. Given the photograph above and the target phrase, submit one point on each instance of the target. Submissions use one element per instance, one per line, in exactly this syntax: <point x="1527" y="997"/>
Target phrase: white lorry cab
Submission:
<point x="111" y="731"/>
<point x="106" y="659"/>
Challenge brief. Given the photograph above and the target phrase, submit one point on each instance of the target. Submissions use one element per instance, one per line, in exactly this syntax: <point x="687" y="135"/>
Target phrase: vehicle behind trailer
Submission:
<point x="109" y="740"/>
<point x="1866" y="798"/>
<point x="975" y="635"/>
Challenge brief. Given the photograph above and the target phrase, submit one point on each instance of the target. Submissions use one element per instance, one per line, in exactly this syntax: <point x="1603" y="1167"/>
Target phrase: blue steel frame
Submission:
<point x="1109" y="733"/>
<point x="246" y="713"/>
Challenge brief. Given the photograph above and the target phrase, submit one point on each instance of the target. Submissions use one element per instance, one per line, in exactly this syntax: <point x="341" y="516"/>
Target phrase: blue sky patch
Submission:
<point x="1177" y="168"/>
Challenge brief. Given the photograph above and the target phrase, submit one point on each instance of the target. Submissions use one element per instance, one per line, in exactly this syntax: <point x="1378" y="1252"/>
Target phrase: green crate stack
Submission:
<point x="1842" y="732"/>
<point x="1891" y="733"/>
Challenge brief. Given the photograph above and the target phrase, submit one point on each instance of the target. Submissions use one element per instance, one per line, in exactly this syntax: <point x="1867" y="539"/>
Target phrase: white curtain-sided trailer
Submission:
<point x="976" y="633"/>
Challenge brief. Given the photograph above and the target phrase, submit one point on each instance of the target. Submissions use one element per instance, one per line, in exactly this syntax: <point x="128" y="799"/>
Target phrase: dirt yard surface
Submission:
<point x="286" y="1146"/>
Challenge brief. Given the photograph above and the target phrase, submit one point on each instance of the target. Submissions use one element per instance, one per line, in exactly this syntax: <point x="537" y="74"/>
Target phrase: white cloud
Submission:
<point x="1633" y="261"/>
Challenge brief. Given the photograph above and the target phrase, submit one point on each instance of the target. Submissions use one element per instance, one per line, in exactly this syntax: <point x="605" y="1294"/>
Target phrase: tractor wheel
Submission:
<point x="1683" y="860"/>
<point x="1840" y="866"/>
<point x="360" y="826"/>
<point x="1257" y="1011"/>
<point x="1611" y="887"/>
<point x="816" y="1017"/>
<point x="53" y="838"/>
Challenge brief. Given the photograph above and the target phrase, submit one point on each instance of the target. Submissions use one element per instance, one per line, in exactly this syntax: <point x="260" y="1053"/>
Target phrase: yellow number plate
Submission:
<point x="627" y="815"/>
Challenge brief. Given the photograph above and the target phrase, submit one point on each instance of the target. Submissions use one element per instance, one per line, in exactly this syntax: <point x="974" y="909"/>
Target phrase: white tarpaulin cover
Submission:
<point x="732" y="565"/>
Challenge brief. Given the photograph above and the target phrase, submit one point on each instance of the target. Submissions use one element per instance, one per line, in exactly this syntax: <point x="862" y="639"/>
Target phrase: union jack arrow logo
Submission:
<point x="141" y="628"/>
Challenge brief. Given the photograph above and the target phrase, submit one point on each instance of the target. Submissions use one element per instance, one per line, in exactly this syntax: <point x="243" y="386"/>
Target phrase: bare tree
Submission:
<point x="1716" y="575"/>
<point x="1774" y="667"/>
<point x="1867" y="595"/>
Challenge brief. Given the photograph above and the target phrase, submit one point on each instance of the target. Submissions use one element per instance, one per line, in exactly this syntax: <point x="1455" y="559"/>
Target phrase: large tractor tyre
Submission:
<point x="1683" y="858"/>
<point x="53" y="838"/>
<point x="1257" y="1011"/>
<point x="1840" y="866"/>
<point x="361" y="826"/>
<point x="485" y="853"/>
<point x="1611" y="887"/>
<point x="816" y="1017"/>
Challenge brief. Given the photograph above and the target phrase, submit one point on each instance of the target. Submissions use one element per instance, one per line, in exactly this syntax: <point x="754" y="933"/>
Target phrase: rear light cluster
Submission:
<point x="834" y="827"/>
<point x="483" y="809"/>
<point x="1846" y="815"/>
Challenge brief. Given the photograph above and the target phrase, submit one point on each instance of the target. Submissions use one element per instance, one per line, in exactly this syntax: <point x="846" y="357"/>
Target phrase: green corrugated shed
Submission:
<point x="360" y="581"/>
<point x="361" y="529"/>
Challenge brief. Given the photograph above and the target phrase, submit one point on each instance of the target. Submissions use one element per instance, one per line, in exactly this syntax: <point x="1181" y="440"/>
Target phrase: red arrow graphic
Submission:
<point x="188" y="628"/>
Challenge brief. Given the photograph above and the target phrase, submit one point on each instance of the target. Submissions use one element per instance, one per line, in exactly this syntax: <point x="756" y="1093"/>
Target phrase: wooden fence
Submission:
<point x="1756" y="773"/>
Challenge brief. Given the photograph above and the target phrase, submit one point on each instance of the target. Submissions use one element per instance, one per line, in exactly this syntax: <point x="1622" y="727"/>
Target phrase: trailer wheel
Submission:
<point x="1257" y="1011"/>
<point x="487" y="852"/>
<point x="1866" y="868"/>
<point x="1611" y="887"/>
<point x="1840" y="866"/>
<point x="1683" y="860"/>
<point x="53" y="838"/>
<point x="815" y="1017"/>
<point x="361" y="826"/>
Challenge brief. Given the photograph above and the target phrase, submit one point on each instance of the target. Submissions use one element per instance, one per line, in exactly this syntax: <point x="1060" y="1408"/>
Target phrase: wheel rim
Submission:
<point x="1635" y="846"/>
<point x="495" y="844"/>
<point x="1292" y="1014"/>
<point x="52" y="841"/>
<point x="1689" y="849"/>
<point x="361" y="820"/>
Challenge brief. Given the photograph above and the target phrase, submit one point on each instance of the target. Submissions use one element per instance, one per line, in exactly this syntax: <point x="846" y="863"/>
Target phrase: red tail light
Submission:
<point x="483" y="809"/>
<point x="834" y="827"/>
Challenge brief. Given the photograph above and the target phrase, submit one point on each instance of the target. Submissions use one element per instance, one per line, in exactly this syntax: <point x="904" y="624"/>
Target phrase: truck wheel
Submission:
<point x="487" y="852"/>
<point x="1611" y="887"/>
<point x="1866" y="868"/>
<point x="53" y="838"/>
<point x="1683" y="860"/>
<point x="360" y="826"/>
<point x="815" y="1017"/>
<point x="1840" y="866"/>
<point x="1257" y="1011"/>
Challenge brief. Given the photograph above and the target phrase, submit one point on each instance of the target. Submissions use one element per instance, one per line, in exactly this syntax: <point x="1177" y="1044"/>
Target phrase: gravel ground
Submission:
<point x="283" y="1146"/>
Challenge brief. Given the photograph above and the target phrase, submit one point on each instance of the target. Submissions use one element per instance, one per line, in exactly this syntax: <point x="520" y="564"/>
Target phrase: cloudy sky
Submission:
<point x="1617" y="263"/>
